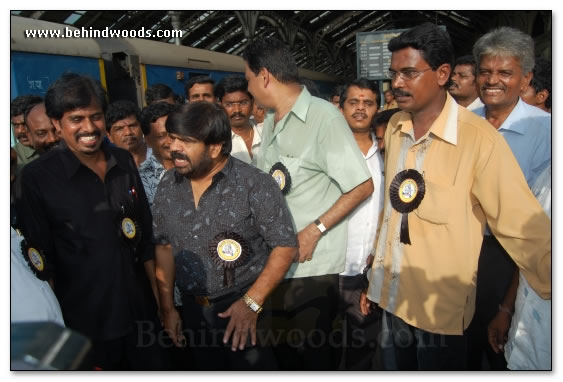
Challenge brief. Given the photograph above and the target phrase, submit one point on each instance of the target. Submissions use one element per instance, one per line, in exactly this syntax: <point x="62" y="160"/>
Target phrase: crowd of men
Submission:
<point x="260" y="227"/>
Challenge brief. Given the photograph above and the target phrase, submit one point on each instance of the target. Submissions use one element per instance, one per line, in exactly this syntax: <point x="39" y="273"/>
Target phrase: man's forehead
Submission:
<point x="127" y="120"/>
<point x="407" y="57"/>
<point x="236" y="95"/>
<point x="201" y="88"/>
<point x="91" y="109"/>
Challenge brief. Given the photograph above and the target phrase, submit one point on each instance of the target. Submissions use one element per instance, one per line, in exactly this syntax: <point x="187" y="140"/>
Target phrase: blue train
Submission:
<point x="124" y="66"/>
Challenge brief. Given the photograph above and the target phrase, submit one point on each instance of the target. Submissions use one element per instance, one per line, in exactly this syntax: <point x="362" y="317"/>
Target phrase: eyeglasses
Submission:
<point x="406" y="75"/>
<point x="230" y="105"/>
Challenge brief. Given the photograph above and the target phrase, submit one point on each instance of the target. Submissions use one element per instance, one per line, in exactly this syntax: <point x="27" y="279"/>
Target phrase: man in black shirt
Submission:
<point x="85" y="211"/>
<point x="224" y="232"/>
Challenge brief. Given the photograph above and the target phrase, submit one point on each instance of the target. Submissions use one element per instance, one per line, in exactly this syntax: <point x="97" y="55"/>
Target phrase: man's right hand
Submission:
<point x="173" y="327"/>
<point x="366" y="306"/>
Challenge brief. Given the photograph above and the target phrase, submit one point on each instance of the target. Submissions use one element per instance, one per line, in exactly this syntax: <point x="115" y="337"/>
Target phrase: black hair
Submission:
<point x="542" y="78"/>
<point x="20" y="104"/>
<point x="158" y="92"/>
<point x="383" y="117"/>
<point x="434" y="44"/>
<point x="119" y="110"/>
<point x="73" y="91"/>
<point x="362" y="83"/>
<point x="273" y="55"/>
<point x="198" y="80"/>
<point x="337" y="91"/>
<point x="231" y="84"/>
<point x="311" y="86"/>
<point x="153" y="112"/>
<point x="204" y="121"/>
<point x="467" y="60"/>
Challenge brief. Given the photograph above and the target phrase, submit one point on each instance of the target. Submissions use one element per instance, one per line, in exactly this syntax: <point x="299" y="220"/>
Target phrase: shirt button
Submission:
<point x="196" y="237"/>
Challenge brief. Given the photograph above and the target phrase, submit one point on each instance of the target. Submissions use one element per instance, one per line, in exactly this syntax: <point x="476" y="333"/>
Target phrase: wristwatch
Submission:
<point x="253" y="305"/>
<point x="320" y="226"/>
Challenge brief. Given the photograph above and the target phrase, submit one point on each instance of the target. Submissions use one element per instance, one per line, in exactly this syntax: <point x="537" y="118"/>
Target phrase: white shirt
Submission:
<point x="475" y="104"/>
<point x="239" y="149"/>
<point x="31" y="298"/>
<point x="362" y="222"/>
<point x="529" y="337"/>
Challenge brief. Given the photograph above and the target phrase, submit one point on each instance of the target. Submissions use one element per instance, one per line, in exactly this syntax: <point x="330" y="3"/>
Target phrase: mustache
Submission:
<point x="21" y="135"/>
<point x="179" y="155"/>
<point x="360" y="115"/>
<point x="401" y="93"/>
<point x="237" y="115"/>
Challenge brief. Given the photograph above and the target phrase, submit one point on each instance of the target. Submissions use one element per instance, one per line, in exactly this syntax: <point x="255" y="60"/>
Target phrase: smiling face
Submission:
<point x="501" y="80"/>
<point x="42" y="133"/>
<point x="417" y="94"/>
<point x="359" y="108"/>
<point x="83" y="129"/>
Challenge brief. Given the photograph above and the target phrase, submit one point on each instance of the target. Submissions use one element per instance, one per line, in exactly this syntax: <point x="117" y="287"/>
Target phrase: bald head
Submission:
<point x="42" y="133"/>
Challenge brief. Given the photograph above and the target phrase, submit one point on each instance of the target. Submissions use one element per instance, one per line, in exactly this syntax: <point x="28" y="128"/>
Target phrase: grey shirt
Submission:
<point x="240" y="199"/>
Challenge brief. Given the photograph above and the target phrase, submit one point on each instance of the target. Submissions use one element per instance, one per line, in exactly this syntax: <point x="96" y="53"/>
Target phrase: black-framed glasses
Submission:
<point x="406" y="75"/>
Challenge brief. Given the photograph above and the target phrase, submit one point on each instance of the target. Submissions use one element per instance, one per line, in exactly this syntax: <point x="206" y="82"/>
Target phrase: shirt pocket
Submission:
<point x="435" y="207"/>
<point x="296" y="172"/>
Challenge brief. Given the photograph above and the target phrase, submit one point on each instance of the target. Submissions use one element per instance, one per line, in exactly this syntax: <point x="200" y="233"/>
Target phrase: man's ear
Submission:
<point x="57" y="124"/>
<point x="215" y="150"/>
<point x="443" y="74"/>
<point x="265" y="77"/>
<point x="526" y="81"/>
<point x="541" y="96"/>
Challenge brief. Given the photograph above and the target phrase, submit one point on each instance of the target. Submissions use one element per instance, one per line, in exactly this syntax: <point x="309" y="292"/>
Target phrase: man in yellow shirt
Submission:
<point x="448" y="173"/>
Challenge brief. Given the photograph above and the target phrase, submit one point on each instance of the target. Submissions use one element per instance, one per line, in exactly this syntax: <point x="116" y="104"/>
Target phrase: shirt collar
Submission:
<point x="444" y="127"/>
<point x="71" y="163"/>
<point x="517" y="114"/>
<point x="301" y="106"/>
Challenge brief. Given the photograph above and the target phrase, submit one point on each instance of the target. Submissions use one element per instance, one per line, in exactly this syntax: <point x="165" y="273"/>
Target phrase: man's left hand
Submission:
<point x="243" y="320"/>
<point x="498" y="330"/>
<point x="307" y="239"/>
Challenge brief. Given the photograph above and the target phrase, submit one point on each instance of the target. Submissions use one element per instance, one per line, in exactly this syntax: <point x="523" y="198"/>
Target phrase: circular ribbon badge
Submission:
<point x="281" y="175"/>
<point x="36" y="261"/>
<point x="229" y="250"/>
<point x="406" y="193"/>
<point x="128" y="228"/>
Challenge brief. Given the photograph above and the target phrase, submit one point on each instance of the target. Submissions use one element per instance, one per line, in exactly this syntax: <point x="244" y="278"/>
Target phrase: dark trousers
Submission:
<point x="204" y="332"/>
<point x="494" y="275"/>
<point x="139" y="350"/>
<point x="303" y="313"/>
<point x="405" y="347"/>
<point x="358" y="344"/>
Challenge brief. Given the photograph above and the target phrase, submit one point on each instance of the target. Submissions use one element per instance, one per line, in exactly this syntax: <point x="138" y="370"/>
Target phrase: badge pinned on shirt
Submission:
<point x="281" y="175"/>
<point x="128" y="228"/>
<point x="406" y="193"/>
<point x="36" y="260"/>
<point x="228" y="250"/>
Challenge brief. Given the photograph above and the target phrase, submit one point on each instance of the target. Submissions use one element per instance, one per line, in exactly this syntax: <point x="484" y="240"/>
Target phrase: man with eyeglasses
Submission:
<point x="505" y="59"/>
<point x="232" y="93"/>
<point x="447" y="174"/>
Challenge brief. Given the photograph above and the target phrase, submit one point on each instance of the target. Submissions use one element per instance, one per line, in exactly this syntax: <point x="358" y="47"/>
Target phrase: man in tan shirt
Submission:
<point x="462" y="175"/>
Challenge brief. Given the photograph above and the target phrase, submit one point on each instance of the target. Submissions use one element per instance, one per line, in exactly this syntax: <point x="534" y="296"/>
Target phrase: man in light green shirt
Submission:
<point x="310" y="151"/>
<point x="24" y="147"/>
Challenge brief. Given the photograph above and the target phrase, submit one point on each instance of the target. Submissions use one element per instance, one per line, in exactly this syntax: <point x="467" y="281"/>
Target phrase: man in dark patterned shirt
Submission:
<point x="223" y="229"/>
